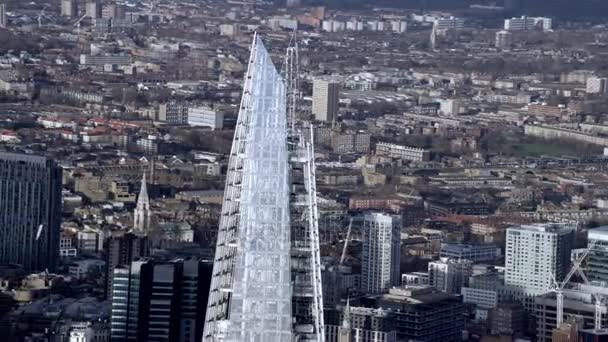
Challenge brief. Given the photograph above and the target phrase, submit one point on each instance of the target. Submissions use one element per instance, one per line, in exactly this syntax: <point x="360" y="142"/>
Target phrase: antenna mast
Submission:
<point x="292" y="75"/>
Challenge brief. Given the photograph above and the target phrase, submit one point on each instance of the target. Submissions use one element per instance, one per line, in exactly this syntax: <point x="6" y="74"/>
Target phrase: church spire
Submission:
<point x="345" y="329"/>
<point x="142" y="215"/>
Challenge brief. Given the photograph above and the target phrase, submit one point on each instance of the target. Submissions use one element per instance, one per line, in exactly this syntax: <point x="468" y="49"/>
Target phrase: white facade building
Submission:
<point x="93" y="9"/>
<point x="398" y="26"/>
<point x="450" y="275"/>
<point x="89" y="332"/>
<point x="414" y="279"/>
<point x="537" y="253"/>
<point x="596" y="85"/>
<point x="480" y="297"/>
<point x="504" y="39"/>
<point x="69" y="8"/>
<point x="449" y="23"/>
<point x="333" y="25"/>
<point x="402" y="152"/>
<point x="205" y="117"/>
<point x="381" y="252"/>
<point x="354" y="25"/>
<point x="524" y="23"/>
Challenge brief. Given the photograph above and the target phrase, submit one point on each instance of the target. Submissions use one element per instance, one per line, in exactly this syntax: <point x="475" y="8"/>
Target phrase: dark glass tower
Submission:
<point x="122" y="250"/>
<point x="156" y="301"/>
<point x="30" y="211"/>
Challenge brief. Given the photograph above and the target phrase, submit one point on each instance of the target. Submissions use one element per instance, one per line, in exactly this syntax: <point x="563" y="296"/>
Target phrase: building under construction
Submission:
<point x="266" y="283"/>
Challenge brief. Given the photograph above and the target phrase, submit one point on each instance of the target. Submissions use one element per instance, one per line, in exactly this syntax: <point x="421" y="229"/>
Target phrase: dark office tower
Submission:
<point x="511" y="5"/>
<point x="122" y="250"/>
<point x="30" y="211"/>
<point x="160" y="301"/>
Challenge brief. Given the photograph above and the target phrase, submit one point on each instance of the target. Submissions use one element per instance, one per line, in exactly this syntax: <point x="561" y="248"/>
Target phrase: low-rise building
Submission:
<point x="475" y="253"/>
<point x="415" y="279"/>
<point x="402" y="152"/>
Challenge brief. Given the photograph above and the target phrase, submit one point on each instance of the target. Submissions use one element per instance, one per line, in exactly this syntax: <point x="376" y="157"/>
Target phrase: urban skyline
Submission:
<point x="303" y="171"/>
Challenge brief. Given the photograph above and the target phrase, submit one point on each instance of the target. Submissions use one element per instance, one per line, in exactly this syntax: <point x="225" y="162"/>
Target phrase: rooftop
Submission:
<point x="600" y="233"/>
<point x="415" y="295"/>
<point x="546" y="227"/>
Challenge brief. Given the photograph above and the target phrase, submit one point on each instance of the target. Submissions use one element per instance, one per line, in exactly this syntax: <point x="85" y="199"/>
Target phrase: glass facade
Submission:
<point x="30" y="211"/>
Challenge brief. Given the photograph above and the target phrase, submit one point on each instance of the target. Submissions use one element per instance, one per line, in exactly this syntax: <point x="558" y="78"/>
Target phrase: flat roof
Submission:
<point x="600" y="233"/>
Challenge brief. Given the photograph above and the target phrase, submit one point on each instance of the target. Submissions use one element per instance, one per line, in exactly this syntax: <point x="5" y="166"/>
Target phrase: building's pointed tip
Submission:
<point x="143" y="191"/>
<point x="346" y="319"/>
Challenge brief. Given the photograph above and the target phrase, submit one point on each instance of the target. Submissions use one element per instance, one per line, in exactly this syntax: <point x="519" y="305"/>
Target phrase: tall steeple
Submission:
<point x="143" y="214"/>
<point x="345" y="329"/>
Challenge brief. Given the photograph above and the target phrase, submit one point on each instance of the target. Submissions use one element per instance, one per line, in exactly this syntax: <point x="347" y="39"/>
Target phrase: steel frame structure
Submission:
<point x="266" y="283"/>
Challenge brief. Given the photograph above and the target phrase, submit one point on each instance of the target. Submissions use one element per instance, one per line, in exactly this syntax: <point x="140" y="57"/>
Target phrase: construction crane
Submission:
<point x="350" y="226"/>
<point x="77" y="24"/>
<point x="597" y="297"/>
<point x="40" y="15"/>
<point x="558" y="288"/>
<point x="291" y="74"/>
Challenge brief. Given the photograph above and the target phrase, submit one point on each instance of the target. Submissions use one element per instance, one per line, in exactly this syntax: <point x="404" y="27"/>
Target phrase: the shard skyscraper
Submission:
<point x="266" y="284"/>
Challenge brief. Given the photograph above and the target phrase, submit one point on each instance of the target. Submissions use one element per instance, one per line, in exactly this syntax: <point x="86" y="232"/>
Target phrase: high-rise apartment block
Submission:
<point x="30" y="211"/>
<point x="504" y="39"/>
<point x="160" y="301"/>
<point x="325" y="100"/>
<point x="528" y="23"/>
<point x="69" y="8"/>
<point x="93" y="9"/>
<point x="402" y="152"/>
<point x="121" y="251"/>
<point x="380" y="264"/>
<point x="3" y="22"/>
<point x="536" y="254"/>
<point x="448" y="23"/>
<point x="450" y="275"/>
<point x="597" y="259"/>
<point x="113" y="11"/>
<point x="173" y="112"/>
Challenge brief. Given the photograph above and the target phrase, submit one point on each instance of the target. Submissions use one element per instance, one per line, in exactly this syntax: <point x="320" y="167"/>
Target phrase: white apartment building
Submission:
<point x="69" y="8"/>
<point x="381" y="252"/>
<point x="398" y="26"/>
<point x="414" y="279"/>
<point x="402" y="152"/>
<point x="536" y="254"/>
<point x="333" y="26"/>
<point x="107" y="59"/>
<point x="450" y="275"/>
<point x="447" y="23"/>
<point x="205" y="117"/>
<point x="596" y="85"/>
<point x="503" y="39"/>
<point x="524" y="23"/>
